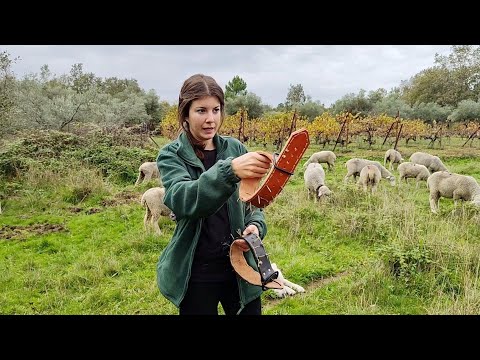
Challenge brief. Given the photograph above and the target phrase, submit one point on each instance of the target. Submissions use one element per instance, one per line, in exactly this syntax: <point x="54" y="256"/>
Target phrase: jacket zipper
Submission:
<point x="199" y="229"/>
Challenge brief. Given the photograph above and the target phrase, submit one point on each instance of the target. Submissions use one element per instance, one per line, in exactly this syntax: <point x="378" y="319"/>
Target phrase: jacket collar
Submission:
<point x="185" y="149"/>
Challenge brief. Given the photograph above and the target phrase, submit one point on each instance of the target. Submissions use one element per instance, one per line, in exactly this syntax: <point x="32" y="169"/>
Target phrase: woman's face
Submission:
<point x="204" y="119"/>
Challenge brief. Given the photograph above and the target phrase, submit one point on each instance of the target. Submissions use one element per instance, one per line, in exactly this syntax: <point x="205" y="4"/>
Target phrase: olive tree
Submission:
<point x="7" y="88"/>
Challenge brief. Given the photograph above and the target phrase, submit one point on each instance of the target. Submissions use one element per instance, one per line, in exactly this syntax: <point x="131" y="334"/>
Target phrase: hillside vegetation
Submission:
<point x="72" y="239"/>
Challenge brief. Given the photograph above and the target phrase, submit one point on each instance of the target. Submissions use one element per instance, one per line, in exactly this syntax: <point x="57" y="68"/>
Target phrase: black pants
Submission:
<point x="202" y="298"/>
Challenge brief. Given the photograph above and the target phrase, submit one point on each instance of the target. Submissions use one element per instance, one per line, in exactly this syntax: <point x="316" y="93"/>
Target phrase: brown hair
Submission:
<point x="195" y="87"/>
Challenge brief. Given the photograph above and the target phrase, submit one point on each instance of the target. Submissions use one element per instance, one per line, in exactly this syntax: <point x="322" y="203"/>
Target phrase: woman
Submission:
<point x="201" y="172"/>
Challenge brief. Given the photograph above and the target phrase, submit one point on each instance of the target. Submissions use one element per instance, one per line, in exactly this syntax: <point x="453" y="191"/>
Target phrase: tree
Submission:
<point x="113" y="111"/>
<point x="377" y="95"/>
<point x="7" y="86"/>
<point x="311" y="109"/>
<point x="154" y="109"/>
<point x="251" y="102"/>
<point x="295" y="96"/>
<point x="466" y="110"/>
<point x="429" y="85"/>
<point x="430" y="112"/>
<point x="235" y="87"/>
<point x="391" y="105"/>
<point x="79" y="81"/>
<point x="115" y="86"/>
<point x="453" y="78"/>
<point x="353" y="103"/>
<point x="464" y="66"/>
<point x="51" y="105"/>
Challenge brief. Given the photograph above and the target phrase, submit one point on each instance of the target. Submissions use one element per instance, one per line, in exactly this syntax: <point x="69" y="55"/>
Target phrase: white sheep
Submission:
<point x="289" y="288"/>
<point x="393" y="157"/>
<point x="355" y="165"/>
<point x="408" y="170"/>
<point x="370" y="176"/>
<point x="148" y="171"/>
<point x="152" y="200"/>
<point x="432" y="162"/>
<point x="326" y="156"/>
<point x="453" y="186"/>
<point x="314" y="178"/>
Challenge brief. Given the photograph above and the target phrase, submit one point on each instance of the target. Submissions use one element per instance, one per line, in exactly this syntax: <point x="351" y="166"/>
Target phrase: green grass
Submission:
<point x="77" y="245"/>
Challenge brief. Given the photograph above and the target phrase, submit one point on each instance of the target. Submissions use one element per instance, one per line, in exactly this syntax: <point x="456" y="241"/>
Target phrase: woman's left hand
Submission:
<point x="248" y="230"/>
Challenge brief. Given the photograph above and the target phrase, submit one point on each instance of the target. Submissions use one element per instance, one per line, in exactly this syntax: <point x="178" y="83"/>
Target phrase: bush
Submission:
<point x="108" y="152"/>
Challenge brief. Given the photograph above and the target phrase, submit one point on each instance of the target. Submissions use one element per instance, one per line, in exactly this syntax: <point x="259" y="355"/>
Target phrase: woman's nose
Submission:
<point x="211" y="116"/>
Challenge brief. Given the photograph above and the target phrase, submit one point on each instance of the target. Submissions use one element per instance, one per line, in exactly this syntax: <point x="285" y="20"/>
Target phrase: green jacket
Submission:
<point x="192" y="201"/>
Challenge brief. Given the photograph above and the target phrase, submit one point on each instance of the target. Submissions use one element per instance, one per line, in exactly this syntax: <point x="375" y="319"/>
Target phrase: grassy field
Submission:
<point x="356" y="253"/>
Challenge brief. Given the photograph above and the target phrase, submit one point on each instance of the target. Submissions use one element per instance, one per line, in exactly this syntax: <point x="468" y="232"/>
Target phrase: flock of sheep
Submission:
<point x="152" y="199"/>
<point x="422" y="166"/>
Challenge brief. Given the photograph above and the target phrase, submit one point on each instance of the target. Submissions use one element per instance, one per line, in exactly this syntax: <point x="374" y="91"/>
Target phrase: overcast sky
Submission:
<point x="326" y="72"/>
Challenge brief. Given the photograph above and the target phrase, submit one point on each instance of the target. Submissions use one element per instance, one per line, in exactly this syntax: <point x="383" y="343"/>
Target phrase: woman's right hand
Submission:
<point x="251" y="165"/>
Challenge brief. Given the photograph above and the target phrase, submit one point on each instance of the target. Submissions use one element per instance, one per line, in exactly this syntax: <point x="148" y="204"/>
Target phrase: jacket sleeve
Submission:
<point x="256" y="216"/>
<point x="195" y="198"/>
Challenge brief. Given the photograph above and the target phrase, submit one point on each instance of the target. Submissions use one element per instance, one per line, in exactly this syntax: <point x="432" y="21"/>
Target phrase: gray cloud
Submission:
<point x="326" y="72"/>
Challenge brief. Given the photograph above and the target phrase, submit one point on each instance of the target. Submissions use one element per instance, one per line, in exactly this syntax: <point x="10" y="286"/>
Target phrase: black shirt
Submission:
<point x="211" y="261"/>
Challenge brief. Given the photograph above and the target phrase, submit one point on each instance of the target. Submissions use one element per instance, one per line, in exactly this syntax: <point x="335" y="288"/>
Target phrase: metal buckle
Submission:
<point x="267" y="274"/>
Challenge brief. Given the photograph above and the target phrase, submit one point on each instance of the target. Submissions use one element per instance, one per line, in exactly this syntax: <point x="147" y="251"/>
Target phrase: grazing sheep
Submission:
<point x="314" y="177"/>
<point x="433" y="163"/>
<point x="453" y="186"/>
<point x="355" y="165"/>
<point x="370" y="176"/>
<point x="393" y="157"/>
<point x="152" y="200"/>
<point x="327" y="157"/>
<point x="147" y="171"/>
<point x="289" y="288"/>
<point x="410" y="170"/>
